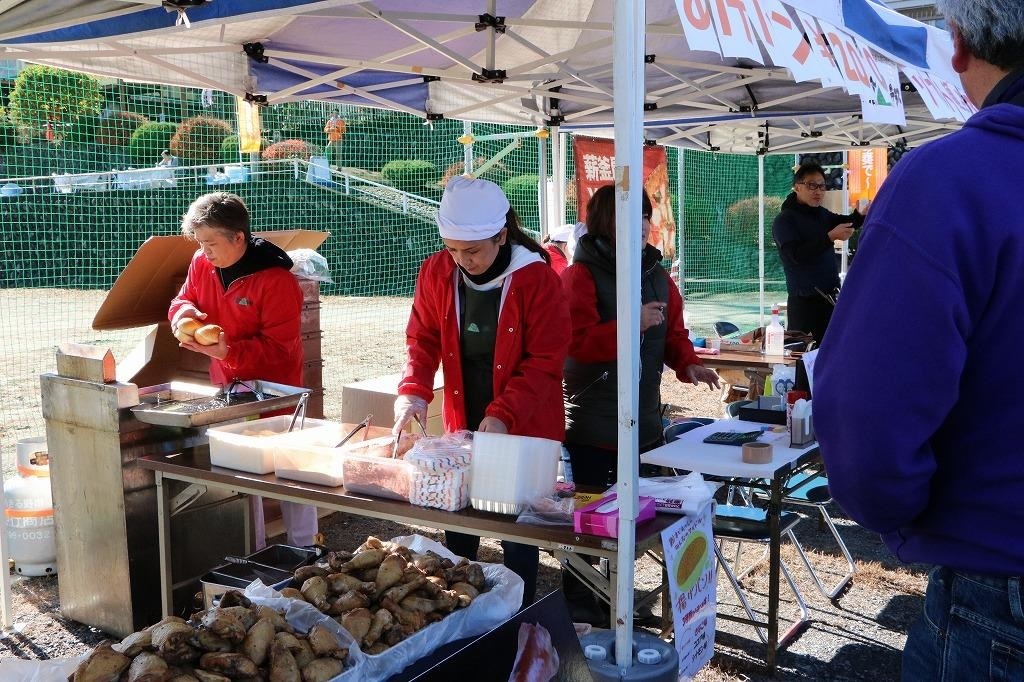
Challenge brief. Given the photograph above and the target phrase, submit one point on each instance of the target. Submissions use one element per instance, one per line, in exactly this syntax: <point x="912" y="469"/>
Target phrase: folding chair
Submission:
<point x="812" y="491"/>
<point x="750" y="524"/>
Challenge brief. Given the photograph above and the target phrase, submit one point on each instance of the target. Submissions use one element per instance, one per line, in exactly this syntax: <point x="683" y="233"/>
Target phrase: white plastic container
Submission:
<point x="28" y="518"/>
<point x="249" y="446"/>
<point x="377" y="476"/>
<point x="509" y="471"/>
<point x="311" y="457"/>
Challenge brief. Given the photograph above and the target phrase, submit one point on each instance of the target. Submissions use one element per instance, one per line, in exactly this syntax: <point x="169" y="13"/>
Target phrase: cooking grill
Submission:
<point x="189" y="405"/>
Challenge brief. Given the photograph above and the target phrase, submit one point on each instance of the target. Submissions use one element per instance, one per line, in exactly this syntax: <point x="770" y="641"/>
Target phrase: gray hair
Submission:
<point x="993" y="30"/>
<point x="219" y="210"/>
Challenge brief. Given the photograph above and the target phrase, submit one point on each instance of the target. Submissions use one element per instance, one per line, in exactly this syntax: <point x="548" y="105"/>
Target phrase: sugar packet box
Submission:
<point x="601" y="517"/>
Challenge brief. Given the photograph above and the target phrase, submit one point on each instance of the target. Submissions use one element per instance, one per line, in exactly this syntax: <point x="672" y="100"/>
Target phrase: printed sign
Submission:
<point x="692" y="581"/>
<point x="595" y="167"/>
<point x="886" y="105"/>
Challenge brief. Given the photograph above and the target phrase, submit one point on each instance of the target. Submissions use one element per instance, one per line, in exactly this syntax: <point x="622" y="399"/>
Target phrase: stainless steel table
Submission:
<point x="193" y="466"/>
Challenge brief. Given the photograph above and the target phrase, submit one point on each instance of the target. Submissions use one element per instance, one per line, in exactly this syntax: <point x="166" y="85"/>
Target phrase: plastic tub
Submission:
<point x="377" y="476"/>
<point x="311" y="457"/>
<point x="234" y="576"/>
<point x="249" y="446"/>
<point x="509" y="471"/>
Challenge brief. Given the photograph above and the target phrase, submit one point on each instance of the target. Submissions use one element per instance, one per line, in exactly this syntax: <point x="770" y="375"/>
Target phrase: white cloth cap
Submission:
<point x="562" y="233"/>
<point x="471" y="209"/>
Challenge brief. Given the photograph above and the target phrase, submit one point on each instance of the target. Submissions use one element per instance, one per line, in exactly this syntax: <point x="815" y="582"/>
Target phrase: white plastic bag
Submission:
<point x="308" y="264"/>
<point x="677" y="494"/>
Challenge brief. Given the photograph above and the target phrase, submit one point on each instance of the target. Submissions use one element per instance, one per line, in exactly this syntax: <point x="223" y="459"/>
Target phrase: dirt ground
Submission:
<point x="859" y="636"/>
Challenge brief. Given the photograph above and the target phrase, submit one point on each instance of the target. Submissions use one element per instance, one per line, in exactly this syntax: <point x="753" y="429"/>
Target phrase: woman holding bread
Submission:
<point x="241" y="306"/>
<point x="489" y="310"/>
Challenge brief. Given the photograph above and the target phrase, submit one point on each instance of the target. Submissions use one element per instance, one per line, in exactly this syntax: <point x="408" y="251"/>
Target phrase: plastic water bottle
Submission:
<point x="774" y="337"/>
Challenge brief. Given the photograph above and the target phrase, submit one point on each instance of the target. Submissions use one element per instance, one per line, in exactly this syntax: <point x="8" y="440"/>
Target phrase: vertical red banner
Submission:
<point x="595" y="167"/>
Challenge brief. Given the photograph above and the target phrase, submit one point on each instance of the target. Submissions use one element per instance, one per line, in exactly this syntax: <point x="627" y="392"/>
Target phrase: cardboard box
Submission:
<point x="144" y="290"/>
<point x="377" y="397"/>
<point x="606" y="524"/>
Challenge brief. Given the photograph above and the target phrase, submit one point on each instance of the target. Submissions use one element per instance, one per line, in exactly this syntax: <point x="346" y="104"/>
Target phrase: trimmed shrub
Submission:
<point x="197" y="140"/>
<point x="409" y="175"/>
<point x="46" y="93"/>
<point x="149" y="139"/>
<point x="287" y="149"/>
<point x="117" y="129"/>
<point x="522" y="194"/>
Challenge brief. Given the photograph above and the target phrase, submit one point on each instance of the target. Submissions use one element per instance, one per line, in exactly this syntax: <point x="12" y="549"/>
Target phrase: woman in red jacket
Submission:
<point x="489" y="310"/>
<point x="244" y="284"/>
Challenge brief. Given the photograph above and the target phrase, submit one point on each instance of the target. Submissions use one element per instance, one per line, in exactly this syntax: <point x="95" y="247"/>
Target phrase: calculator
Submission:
<point x="732" y="437"/>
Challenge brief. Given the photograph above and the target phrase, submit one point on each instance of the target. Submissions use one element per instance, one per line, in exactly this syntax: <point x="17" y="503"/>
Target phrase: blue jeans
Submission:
<point x="972" y="629"/>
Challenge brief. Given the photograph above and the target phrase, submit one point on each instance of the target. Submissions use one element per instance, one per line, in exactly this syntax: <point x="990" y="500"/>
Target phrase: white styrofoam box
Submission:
<point x="312" y="458"/>
<point x="509" y="471"/>
<point x="248" y="446"/>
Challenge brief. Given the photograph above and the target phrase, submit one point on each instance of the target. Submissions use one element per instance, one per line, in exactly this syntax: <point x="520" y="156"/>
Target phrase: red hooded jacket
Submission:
<point x="261" y="316"/>
<point x="533" y="337"/>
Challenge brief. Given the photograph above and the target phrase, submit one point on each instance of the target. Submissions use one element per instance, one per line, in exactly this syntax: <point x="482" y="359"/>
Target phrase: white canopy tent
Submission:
<point x="584" y="64"/>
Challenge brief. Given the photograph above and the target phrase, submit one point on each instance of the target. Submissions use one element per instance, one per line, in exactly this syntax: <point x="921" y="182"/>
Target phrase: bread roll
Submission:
<point x="208" y="335"/>
<point x="187" y="325"/>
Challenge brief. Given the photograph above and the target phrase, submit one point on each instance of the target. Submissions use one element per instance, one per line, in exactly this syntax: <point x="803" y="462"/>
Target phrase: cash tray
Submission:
<point x="184" y="404"/>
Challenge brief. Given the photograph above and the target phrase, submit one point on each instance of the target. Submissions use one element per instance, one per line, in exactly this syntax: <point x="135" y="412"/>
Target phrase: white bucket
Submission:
<point x="509" y="471"/>
<point x="28" y="518"/>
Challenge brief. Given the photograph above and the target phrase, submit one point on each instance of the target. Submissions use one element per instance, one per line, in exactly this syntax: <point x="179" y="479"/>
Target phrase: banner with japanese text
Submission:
<point x="595" y="167"/>
<point x="692" y="583"/>
<point x="868" y="168"/>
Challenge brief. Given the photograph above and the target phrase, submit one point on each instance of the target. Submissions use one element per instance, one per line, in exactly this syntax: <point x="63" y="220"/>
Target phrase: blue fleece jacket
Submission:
<point x="917" y="402"/>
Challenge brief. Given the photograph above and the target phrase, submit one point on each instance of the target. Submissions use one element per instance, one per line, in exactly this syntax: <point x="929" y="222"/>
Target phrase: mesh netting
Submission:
<point x="84" y="181"/>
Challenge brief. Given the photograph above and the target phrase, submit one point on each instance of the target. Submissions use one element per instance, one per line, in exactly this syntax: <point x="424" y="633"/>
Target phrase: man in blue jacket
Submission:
<point x="917" y="423"/>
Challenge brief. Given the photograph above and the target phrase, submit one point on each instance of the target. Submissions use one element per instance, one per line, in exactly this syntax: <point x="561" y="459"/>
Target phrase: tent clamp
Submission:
<point x="431" y="79"/>
<point x="490" y="76"/>
<point x="258" y="100"/>
<point x="650" y="106"/>
<point x="908" y="87"/>
<point x="649" y="58"/>
<point x="255" y="52"/>
<point x="552" y="121"/>
<point x="650" y="143"/>
<point x="431" y="116"/>
<point x="486" y="21"/>
<point x="813" y="133"/>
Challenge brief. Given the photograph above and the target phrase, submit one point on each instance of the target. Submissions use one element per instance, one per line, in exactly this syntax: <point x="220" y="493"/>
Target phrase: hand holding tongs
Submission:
<point x="359" y="427"/>
<point x="398" y="436"/>
<point x="300" y="407"/>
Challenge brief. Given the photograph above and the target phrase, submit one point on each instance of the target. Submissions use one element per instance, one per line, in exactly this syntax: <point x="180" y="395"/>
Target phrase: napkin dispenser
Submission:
<point x="801" y="431"/>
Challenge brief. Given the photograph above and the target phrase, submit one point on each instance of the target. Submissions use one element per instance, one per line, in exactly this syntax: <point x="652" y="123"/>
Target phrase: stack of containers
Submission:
<point x="441" y="466"/>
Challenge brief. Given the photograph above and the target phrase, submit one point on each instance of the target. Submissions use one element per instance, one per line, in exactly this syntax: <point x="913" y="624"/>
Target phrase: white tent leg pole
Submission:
<point x="844" y="256"/>
<point x="681" y="222"/>
<point x="558" y="175"/>
<point x="5" y="579"/>
<point x="467" y="149"/>
<point x="542" y="187"/>
<point x="760" y="239"/>
<point x="628" y="74"/>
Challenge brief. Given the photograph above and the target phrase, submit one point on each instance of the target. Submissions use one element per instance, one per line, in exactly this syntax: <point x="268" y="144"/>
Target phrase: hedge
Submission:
<point x="409" y="175"/>
<point x="149" y="140"/>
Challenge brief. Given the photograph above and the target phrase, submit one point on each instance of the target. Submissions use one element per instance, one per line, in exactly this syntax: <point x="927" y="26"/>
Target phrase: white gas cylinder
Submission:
<point x="29" y="513"/>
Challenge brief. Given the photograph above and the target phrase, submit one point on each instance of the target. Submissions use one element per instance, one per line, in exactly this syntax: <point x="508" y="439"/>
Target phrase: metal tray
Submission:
<point x="183" y="404"/>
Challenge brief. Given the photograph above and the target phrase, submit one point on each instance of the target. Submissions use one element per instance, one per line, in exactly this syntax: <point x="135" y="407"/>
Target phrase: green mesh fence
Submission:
<point x="80" y="190"/>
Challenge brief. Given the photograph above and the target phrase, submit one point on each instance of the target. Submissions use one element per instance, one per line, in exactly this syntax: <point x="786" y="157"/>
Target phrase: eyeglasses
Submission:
<point x="813" y="186"/>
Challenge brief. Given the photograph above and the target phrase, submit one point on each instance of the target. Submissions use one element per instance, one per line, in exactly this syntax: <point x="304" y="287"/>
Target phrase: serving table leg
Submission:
<point x="163" y="520"/>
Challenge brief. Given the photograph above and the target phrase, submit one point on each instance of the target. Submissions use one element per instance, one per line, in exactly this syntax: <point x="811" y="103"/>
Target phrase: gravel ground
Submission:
<point x="860" y="636"/>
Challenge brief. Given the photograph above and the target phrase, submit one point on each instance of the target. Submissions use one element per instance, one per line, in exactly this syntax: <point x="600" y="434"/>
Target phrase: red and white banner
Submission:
<point x="595" y="167"/>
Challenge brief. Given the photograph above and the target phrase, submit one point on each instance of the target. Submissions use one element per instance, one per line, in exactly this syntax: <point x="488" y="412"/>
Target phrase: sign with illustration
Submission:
<point x="595" y="166"/>
<point x="692" y="580"/>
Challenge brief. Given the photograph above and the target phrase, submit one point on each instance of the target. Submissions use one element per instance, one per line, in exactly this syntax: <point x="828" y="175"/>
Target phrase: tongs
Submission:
<point x="398" y="437"/>
<point x="300" y="408"/>
<point x="359" y="427"/>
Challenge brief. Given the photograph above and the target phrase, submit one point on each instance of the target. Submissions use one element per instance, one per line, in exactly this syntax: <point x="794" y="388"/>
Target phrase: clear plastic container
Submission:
<point x="249" y="446"/>
<point x="377" y="476"/>
<point x="311" y="457"/>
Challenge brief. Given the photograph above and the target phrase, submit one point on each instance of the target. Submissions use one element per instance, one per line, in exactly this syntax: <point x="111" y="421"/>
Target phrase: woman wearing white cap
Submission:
<point x="556" y="244"/>
<point x="490" y="310"/>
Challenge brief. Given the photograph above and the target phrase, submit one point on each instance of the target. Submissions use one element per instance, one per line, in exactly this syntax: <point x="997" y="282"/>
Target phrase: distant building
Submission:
<point x="925" y="12"/>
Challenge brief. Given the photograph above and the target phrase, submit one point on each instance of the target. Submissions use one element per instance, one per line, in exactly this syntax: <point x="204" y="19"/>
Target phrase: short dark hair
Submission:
<point x="806" y="170"/>
<point x="601" y="212"/>
<point x="220" y="210"/>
